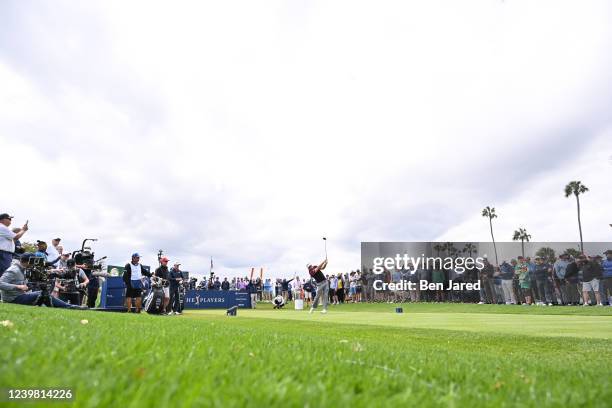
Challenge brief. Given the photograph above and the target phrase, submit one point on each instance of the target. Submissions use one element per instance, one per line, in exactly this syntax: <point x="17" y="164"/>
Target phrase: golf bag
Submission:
<point x="181" y="298"/>
<point x="154" y="301"/>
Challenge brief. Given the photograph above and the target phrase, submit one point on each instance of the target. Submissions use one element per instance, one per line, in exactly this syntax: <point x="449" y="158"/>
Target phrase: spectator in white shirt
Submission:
<point x="333" y="287"/>
<point x="7" y="241"/>
<point x="53" y="253"/>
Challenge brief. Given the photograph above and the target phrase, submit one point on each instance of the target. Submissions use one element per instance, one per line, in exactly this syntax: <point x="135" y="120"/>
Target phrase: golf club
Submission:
<point x="325" y="240"/>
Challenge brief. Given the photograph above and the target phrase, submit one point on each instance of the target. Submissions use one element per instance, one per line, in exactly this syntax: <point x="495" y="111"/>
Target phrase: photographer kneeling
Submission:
<point x="14" y="289"/>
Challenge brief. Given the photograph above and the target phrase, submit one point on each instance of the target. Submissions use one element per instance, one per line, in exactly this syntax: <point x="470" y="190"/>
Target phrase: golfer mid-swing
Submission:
<point x="322" y="286"/>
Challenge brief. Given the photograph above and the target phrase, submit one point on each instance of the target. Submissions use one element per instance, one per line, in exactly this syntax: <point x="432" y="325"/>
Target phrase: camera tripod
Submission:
<point x="44" y="299"/>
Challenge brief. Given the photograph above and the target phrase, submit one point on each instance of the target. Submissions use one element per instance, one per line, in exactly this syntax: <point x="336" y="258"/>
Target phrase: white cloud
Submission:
<point x="246" y="132"/>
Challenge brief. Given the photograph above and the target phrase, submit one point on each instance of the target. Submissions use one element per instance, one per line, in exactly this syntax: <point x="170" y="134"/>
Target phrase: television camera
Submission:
<point x="85" y="258"/>
<point x="39" y="278"/>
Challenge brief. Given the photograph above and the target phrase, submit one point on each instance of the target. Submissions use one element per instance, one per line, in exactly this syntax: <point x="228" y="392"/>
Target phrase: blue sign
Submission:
<point x="216" y="299"/>
<point x="113" y="293"/>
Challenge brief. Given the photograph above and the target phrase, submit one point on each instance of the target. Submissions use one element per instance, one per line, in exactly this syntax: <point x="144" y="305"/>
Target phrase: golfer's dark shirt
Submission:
<point x="317" y="274"/>
<point x="162" y="272"/>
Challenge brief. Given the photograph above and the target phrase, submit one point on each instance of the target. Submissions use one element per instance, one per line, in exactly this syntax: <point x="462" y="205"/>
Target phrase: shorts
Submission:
<point x="358" y="289"/>
<point x="352" y="291"/>
<point x="166" y="292"/>
<point x="332" y="292"/>
<point x="525" y="284"/>
<point x="135" y="289"/>
<point x="307" y="295"/>
<point x="591" y="286"/>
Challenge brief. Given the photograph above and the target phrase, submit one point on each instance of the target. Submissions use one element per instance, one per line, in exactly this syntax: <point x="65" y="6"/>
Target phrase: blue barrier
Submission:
<point x="113" y="297"/>
<point x="113" y="293"/>
<point x="216" y="299"/>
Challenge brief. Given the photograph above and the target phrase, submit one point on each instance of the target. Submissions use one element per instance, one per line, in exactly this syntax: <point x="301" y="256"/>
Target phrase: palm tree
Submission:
<point x="521" y="235"/>
<point x="438" y="248"/>
<point x="489" y="212"/>
<point x="576" y="188"/>
<point x="573" y="252"/>
<point x="546" y="253"/>
<point x="469" y="248"/>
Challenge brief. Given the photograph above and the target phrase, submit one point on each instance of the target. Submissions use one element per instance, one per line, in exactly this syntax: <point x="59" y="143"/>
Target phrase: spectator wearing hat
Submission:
<point x="132" y="277"/>
<point x="591" y="274"/>
<point x="7" y="241"/>
<point x="559" y="269"/>
<point x="176" y="278"/>
<point x="572" y="282"/>
<point x="252" y="291"/>
<point x="506" y="274"/>
<point x="542" y="272"/>
<point x="521" y="270"/>
<point x="42" y="250"/>
<point x="53" y="253"/>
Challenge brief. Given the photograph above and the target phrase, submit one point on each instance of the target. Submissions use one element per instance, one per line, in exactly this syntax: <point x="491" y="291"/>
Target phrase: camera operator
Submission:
<point x="7" y="241"/>
<point x="162" y="272"/>
<point x="14" y="288"/>
<point x="176" y="279"/>
<point x="132" y="277"/>
<point x="42" y="252"/>
<point x="71" y="279"/>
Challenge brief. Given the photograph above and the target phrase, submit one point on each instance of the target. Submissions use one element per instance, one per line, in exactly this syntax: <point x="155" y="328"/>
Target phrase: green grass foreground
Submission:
<point x="357" y="355"/>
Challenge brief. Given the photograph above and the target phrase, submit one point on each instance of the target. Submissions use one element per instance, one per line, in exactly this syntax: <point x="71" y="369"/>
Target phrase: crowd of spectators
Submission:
<point x="563" y="280"/>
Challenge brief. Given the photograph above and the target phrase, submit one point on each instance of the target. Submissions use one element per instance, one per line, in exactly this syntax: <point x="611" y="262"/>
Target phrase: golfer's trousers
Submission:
<point x="322" y="294"/>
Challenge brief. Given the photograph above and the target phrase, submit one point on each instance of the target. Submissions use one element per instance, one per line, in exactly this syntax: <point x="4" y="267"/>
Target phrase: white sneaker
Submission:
<point x="311" y="310"/>
<point x="481" y="303"/>
<point x="178" y="313"/>
<point x="600" y="304"/>
<point x="324" y="311"/>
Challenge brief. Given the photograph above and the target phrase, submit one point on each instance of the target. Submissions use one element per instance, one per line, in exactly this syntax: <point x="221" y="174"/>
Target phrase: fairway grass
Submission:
<point x="283" y="358"/>
<point x="599" y="326"/>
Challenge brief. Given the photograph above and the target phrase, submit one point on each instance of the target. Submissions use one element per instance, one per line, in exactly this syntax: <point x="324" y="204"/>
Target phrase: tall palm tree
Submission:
<point x="469" y="248"/>
<point x="521" y="235"/>
<point x="576" y="188"/>
<point x="489" y="212"/>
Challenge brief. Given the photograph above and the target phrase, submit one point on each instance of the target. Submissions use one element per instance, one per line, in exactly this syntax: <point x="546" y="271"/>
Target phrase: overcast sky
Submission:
<point x="247" y="130"/>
